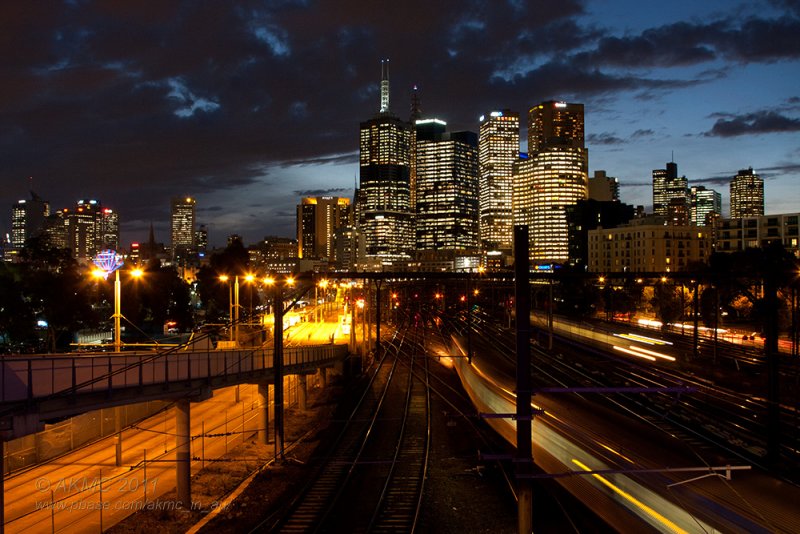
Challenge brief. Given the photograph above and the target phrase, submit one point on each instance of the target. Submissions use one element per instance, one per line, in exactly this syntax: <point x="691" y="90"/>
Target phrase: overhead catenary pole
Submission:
<point x="278" y="369"/>
<point x="378" y="318"/>
<point x="523" y="413"/>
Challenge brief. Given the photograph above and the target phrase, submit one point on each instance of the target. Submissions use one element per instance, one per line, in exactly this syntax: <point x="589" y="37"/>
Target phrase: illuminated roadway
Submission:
<point x="73" y="480"/>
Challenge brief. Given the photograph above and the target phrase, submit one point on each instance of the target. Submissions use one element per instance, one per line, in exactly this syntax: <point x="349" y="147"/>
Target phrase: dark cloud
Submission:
<point x="674" y="44"/>
<point x="337" y="191"/>
<point x="134" y="102"/>
<point x="327" y="159"/>
<point x="604" y="138"/>
<point x="643" y="133"/>
<point x="752" y="123"/>
<point x="690" y="43"/>
<point x="789" y="5"/>
<point x="719" y="181"/>
<point x="777" y="170"/>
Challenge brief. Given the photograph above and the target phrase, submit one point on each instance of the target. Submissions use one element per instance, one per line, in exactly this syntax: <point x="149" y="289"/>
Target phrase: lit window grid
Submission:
<point x="318" y="220"/>
<point x="182" y="224"/>
<point x="544" y="186"/>
<point x="385" y="141"/>
<point x="747" y="196"/>
<point x="704" y="201"/>
<point x="647" y="248"/>
<point x="498" y="150"/>
<point x="447" y="195"/>
<point x="546" y="121"/>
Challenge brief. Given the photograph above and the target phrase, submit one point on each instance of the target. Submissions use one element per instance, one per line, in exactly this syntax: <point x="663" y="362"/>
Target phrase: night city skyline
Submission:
<point x="247" y="108"/>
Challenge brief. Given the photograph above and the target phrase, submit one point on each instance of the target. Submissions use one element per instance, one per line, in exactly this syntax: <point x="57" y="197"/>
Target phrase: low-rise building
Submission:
<point x="648" y="245"/>
<point x="758" y="231"/>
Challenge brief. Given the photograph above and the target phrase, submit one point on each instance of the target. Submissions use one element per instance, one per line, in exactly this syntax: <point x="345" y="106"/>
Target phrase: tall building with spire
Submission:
<point x="552" y="179"/>
<point x="498" y="150"/>
<point x="747" y="194"/>
<point x="385" y="214"/>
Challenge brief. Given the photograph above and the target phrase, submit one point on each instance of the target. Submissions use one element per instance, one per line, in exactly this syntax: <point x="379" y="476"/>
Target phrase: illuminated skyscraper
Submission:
<point x="201" y="239"/>
<point x="667" y="187"/>
<point x="498" y="150"/>
<point x="27" y="219"/>
<point x="107" y="228"/>
<point x="182" y="227"/>
<point x="318" y="219"/>
<point x="447" y="188"/>
<point x="704" y="202"/>
<point x="747" y="194"/>
<point x="555" y="123"/>
<point x="545" y="185"/>
<point x="90" y="228"/>
<point x="552" y="178"/>
<point x="385" y="214"/>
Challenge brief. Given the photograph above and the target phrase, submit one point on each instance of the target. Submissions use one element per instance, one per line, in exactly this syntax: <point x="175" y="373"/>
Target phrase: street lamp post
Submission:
<point x="250" y="279"/>
<point x="225" y="278"/>
<point x="107" y="262"/>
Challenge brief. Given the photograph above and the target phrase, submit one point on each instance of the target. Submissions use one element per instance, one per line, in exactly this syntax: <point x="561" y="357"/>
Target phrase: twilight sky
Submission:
<point x="248" y="105"/>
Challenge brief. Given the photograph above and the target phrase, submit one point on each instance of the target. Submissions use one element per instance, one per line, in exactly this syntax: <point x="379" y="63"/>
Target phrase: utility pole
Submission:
<point x="277" y="364"/>
<point x="378" y="317"/>
<point x="772" y="357"/>
<point x="524" y="412"/>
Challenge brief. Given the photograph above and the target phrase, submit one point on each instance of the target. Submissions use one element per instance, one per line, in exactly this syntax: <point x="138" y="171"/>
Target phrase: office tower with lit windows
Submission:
<point x="182" y="227"/>
<point x="27" y="220"/>
<point x="107" y="228"/>
<point x="318" y="219"/>
<point x="447" y="188"/>
<point x="201" y="239"/>
<point x="667" y="187"/>
<point x="83" y="225"/>
<point x="704" y="203"/>
<point x="385" y="215"/>
<point x="747" y="194"/>
<point x="552" y="178"/>
<point x="498" y="150"/>
<point x="555" y="124"/>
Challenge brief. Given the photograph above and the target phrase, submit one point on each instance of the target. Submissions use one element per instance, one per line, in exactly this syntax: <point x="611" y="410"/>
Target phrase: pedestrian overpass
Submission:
<point x="35" y="389"/>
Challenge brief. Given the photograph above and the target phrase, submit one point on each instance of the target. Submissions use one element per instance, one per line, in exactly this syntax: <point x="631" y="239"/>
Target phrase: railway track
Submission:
<point x="373" y="478"/>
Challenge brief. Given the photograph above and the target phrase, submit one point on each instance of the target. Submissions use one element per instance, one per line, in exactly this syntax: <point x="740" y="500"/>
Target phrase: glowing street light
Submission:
<point x="250" y="278"/>
<point x="107" y="262"/>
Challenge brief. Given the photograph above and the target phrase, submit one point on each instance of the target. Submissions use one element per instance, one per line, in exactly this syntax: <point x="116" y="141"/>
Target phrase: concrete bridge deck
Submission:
<point x="35" y="389"/>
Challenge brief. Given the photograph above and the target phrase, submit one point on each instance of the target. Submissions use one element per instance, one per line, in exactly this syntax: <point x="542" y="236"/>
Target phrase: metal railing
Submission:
<point x="34" y="377"/>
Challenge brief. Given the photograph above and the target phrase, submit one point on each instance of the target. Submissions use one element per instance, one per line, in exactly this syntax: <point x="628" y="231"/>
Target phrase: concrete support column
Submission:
<point x="183" y="453"/>
<point x="263" y="413"/>
<point x="323" y="377"/>
<point x="118" y="430"/>
<point x="302" y="392"/>
<point x="2" y="485"/>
